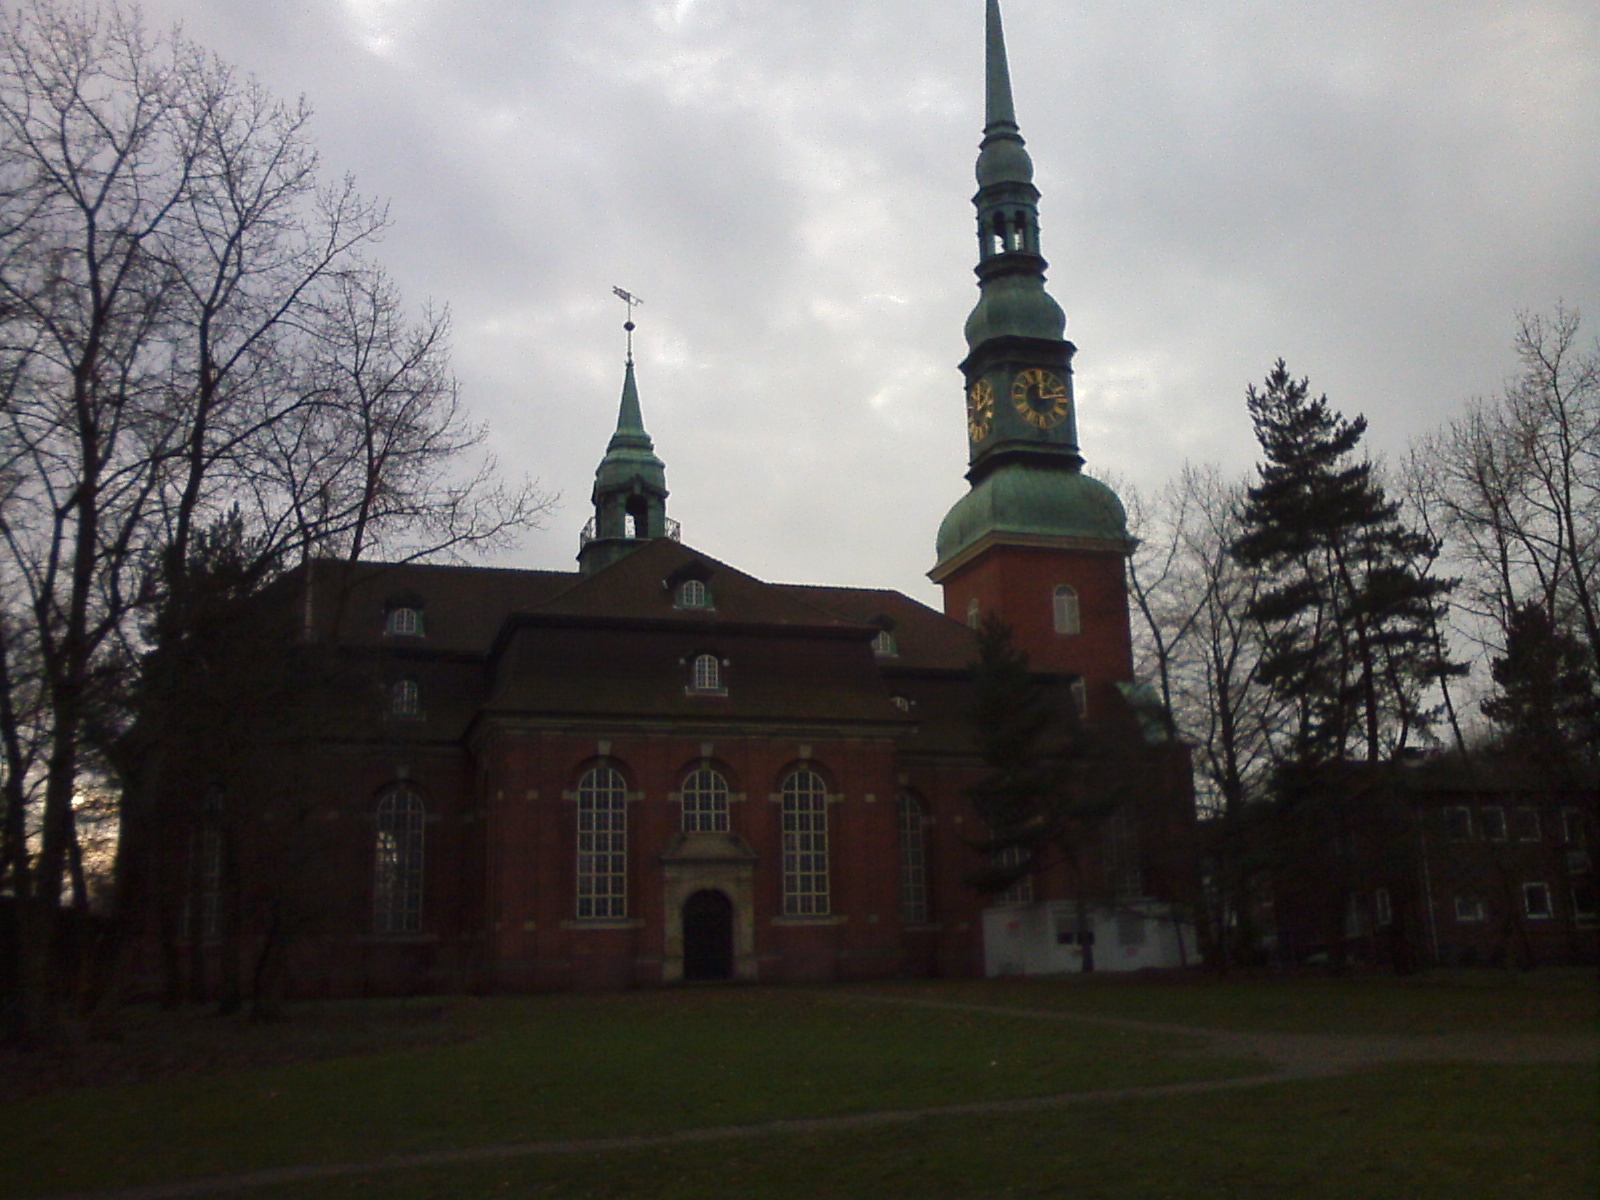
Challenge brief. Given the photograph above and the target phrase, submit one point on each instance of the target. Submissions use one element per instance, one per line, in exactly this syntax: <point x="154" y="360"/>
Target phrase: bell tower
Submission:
<point x="630" y="484"/>
<point x="1035" y="542"/>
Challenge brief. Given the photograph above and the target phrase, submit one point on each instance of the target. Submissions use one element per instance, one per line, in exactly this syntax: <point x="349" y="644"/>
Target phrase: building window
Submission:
<point x="1536" y="901"/>
<point x="706" y="674"/>
<point x="901" y="702"/>
<point x="805" y="844"/>
<point x="1469" y="909"/>
<point x="602" y="844"/>
<point x="1493" y="821"/>
<point x="1381" y="907"/>
<point x="1080" y="698"/>
<point x="1019" y="893"/>
<point x="692" y="594"/>
<point x="973" y="617"/>
<point x="705" y="802"/>
<point x="403" y="622"/>
<point x="1583" y="905"/>
<point x="1066" y="609"/>
<point x="883" y="644"/>
<point x="1458" y="823"/>
<point x="1573" y="831"/>
<point x="405" y="698"/>
<point x="1525" y="824"/>
<point x="397" y="873"/>
<point x="913" y="861"/>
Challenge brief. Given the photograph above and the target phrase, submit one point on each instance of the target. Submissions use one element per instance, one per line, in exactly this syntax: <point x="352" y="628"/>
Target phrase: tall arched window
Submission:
<point x="602" y="843"/>
<point x="705" y="802"/>
<point x="805" y="844"/>
<point x="707" y="674"/>
<point x="913" y="861"/>
<point x="1066" y="609"/>
<point x="972" y="613"/>
<point x="397" y="869"/>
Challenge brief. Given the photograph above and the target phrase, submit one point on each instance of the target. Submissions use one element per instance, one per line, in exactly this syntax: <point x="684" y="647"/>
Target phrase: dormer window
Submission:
<point x="403" y="621"/>
<point x="405" y="698"/>
<point x="692" y="594"/>
<point x="705" y="675"/>
<point x="883" y="644"/>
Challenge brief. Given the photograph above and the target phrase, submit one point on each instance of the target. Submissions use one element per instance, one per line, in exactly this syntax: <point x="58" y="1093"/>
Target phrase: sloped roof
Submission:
<point x="637" y="588"/>
<point x="463" y="607"/>
<point x="924" y="638"/>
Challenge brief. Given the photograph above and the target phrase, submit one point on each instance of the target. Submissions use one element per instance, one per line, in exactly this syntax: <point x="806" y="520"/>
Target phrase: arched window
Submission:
<point x="883" y="644"/>
<point x="405" y="698"/>
<point x="913" y="861"/>
<point x="691" y="594"/>
<point x="397" y="870"/>
<point x="1066" y="609"/>
<point x="705" y="802"/>
<point x="403" y="621"/>
<point x="602" y="843"/>
<point x="972" y="613"/>
<point x="706" y="675"/>
<point x="1080" y="697"/>
<point x="805" y="844"/>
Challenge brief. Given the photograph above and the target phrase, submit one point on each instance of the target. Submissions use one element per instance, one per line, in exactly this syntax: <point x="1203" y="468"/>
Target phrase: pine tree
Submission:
<point x="1547" y="704"/>
<point x="1348" y="612"/>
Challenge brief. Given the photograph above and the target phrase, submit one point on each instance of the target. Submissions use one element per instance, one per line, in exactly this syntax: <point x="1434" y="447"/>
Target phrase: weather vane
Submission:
<point x="631" y="301"/>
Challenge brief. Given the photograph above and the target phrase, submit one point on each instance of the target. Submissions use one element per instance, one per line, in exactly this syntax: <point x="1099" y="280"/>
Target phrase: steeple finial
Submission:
<point x="631" y="301"/>
<point x="998" y="109"/>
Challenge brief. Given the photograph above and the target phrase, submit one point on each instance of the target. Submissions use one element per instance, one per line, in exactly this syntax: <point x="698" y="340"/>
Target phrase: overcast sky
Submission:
<point x="1370" y="190"/>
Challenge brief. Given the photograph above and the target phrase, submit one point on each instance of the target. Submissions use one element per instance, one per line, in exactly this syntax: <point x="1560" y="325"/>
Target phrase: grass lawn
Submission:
<point x="1434" y="1133"/>
<point x="570" y="1067"/>
<point x="374" y="1080"/>
<point x="1551" y="1000"/>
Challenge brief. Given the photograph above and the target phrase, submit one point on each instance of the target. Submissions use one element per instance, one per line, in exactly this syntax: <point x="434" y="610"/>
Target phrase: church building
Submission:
<point x="658" y="768"/>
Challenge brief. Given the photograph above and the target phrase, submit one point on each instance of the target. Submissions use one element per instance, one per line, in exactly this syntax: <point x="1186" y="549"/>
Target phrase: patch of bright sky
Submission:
<point x="380" y="24"/>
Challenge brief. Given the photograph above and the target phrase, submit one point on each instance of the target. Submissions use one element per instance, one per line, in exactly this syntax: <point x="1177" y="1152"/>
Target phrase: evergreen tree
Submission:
<point x="1347" y="609"/>
<point x="1547" y="704"/>
<point x="1048" y="789"/>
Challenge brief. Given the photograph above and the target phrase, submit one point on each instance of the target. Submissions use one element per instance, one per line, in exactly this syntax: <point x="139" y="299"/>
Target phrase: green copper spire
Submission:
<point x="630" y="485"/>
<point x="1022" y="421"/>
<point x="1012" y="301"/>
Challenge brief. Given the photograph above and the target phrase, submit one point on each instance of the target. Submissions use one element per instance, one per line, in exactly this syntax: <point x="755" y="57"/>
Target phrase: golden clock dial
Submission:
<point x="980" y="409"/>
<point x="1040" y="397"/>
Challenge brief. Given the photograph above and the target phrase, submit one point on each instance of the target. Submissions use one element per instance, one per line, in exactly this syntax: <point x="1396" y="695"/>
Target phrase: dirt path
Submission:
<point x="1289" y="1056"/>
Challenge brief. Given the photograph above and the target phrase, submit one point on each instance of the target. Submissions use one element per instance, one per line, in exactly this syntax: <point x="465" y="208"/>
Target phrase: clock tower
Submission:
<point x="1035" y="542"/>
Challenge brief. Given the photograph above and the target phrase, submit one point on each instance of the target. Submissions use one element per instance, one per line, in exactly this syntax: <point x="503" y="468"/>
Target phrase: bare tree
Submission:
<point x="187" y="325"/>
<point x="1517" y="478"/>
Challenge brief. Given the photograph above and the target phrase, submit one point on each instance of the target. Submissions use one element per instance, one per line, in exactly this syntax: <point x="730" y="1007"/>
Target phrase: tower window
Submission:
<point x="706" y="674"/>
<point x="692" y="594"/>
<point x="883" y="644"/>
<point x="1066" y="609"/>
<point x="972" y="613"/>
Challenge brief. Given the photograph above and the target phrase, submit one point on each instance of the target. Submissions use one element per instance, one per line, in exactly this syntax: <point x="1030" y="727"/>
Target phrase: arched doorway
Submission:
<point x="708" y="936"/>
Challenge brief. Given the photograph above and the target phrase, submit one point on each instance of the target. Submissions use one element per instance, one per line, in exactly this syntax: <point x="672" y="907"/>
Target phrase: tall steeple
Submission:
<point x="1035" y="541"/>
<point x="630" y="485"/>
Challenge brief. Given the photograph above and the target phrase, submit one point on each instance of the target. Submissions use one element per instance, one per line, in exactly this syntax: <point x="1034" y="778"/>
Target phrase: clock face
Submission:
<point x="1040" y="397"/>
<point x="980" y="409"/>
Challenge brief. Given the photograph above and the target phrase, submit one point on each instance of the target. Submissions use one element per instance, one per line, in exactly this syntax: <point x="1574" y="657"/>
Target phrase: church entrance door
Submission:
<point x="708" y="936"/>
